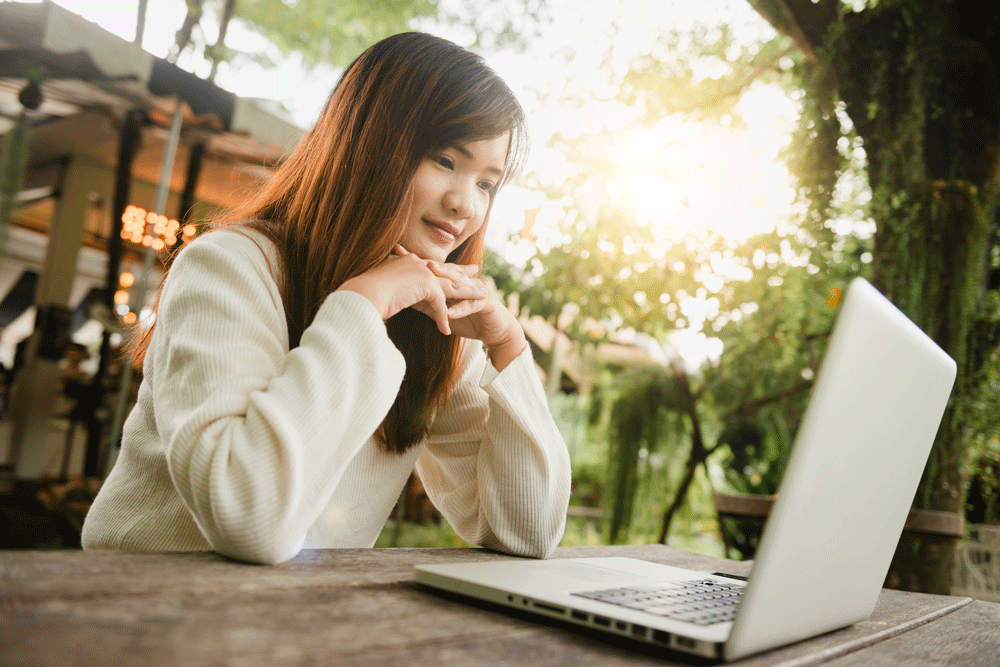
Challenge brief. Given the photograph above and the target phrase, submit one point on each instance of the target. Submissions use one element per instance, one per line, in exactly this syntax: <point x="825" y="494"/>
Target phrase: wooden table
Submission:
<point x="362" y="607"/>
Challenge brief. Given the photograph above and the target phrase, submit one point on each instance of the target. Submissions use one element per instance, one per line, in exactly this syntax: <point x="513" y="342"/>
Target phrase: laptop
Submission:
<point x="851" y="477"/>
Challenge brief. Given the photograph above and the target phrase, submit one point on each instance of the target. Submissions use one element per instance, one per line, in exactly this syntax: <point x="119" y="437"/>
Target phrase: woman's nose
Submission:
<point x="459" y="200"/>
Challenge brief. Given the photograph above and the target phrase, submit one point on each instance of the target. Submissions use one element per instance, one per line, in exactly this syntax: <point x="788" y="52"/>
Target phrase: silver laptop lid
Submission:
<point x="851" y="478"/>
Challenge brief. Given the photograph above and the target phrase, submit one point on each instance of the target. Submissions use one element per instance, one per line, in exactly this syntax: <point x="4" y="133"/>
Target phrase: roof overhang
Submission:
<point x="85" y="66"/>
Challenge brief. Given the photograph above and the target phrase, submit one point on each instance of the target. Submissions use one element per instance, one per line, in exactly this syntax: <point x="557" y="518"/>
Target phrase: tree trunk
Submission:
<point x="183" y="37"/>
<point x="217" y="54"/>
<point x="553" y="368"/>
<point x="687" y="402"/>
<point x="140" y="22"/>
<point x="914" y="88"/>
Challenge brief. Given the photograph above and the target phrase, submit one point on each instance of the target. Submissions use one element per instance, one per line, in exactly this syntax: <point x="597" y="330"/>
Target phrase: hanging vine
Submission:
<point x="14" y="149"/>
<point x="643" y="417"/>
<point x="922" y="97"/>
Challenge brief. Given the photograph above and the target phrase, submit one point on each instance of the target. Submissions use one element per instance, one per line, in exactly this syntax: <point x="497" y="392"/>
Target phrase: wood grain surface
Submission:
<point x="362" y="607"/>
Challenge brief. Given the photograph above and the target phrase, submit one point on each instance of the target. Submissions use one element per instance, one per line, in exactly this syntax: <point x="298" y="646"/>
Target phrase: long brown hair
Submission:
<point x="340" y="202"/>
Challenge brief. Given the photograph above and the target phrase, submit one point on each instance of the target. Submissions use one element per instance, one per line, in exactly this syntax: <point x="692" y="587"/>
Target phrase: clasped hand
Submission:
<point x="450" y="294"/>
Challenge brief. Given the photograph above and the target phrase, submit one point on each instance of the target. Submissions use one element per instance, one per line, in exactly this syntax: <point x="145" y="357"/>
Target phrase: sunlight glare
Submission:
<point x="687" y="177"/>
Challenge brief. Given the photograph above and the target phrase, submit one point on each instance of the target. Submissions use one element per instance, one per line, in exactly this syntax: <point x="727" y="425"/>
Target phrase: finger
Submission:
<point x="462" y="291"/>
<point x="456" y="284"/>
<point x="400" y="250"/>
<point x="454" y="273"/>
<point x="445" y="269"/>
<point x="435" y="306"/>
<point x="430" y="310"/>
<point x="465" y="308"/>
<point x="441" y="316"/>
<point x="466" y="270"/>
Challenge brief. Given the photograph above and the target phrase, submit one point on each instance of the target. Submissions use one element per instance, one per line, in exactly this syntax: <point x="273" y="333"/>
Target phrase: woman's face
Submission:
<point x="452" y="189"/>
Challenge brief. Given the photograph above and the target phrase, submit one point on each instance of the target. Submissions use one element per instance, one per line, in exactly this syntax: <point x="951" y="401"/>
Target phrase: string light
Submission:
<point x="152" y="230"/>
<point x="125" y="280"/>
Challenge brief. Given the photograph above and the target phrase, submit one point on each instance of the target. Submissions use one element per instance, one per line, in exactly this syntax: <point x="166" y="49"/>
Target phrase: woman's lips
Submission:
<point x="444" y="230"/>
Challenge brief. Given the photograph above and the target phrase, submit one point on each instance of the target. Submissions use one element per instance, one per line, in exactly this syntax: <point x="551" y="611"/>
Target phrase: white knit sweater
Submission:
<point x="239" y="445"/>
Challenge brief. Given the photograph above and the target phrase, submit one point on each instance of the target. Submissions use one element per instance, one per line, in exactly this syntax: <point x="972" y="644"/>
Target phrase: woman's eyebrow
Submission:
<point x="468" y="155"/>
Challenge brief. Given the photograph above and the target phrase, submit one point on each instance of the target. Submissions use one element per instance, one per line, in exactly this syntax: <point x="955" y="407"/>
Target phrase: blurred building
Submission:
<point x="82" y="219"/>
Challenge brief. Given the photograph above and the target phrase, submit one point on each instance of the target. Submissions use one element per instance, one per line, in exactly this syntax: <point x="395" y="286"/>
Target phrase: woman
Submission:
<point x="329" y="338"/>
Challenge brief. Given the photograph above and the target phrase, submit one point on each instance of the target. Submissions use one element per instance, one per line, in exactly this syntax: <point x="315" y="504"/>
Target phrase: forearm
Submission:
<point x="256" y="437"/>
<point x="257" y="463"/>
<point x="505" y="484"/>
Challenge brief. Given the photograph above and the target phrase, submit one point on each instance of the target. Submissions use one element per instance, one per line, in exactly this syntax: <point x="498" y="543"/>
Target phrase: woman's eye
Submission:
<point x="445" y="162"/>
<point x="488" y="186"/>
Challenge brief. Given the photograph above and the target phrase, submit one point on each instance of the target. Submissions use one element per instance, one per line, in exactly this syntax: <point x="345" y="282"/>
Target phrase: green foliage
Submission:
<point x="702" y="72"/>
<point x="911" y="91"/>
<point x="495" y="24"/>
<point x="756" y="451"/>
<point x="615" y="270"/>
<point x="325" y="32"/>
<point x="644" y="419"/>
<point x="581" y="532"/>
<point x="983" y="500"/>
<point x="13" y="160"/>
<point x="335" y="33"/>
<point x="814" y="156"/>
<point x="911" y="77"/>
<point x="767" y="296"/>
<point x="420" y="536"/>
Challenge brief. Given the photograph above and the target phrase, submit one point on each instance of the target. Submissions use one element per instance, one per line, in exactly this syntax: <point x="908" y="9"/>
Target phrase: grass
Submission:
<point x="700" y="537"/>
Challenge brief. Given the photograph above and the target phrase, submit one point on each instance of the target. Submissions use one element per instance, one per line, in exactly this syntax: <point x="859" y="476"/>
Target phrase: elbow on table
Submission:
<point x="534" y="543"/>
<point x="527" y="548"/>
<point x="532" y="534"/>
<point x="259" y="549"/>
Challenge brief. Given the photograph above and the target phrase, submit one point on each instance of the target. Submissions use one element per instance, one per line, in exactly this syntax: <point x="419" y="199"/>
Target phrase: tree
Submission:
<point x="334" y="33"/>
<point x="919" y="82"/>
<point x="620" y="274"/>
<point x="773" y="314"/>
<point x="630" y="273"/>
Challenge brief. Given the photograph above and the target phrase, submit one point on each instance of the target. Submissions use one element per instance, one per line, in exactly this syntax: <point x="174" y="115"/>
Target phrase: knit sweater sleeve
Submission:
<point x="495" y="464"/>
<point x="255" y="435"/>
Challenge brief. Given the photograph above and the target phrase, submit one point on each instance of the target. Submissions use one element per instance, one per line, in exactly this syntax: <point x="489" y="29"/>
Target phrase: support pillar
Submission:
<point x="128" y="146"/>
<point x="36" y="388"/>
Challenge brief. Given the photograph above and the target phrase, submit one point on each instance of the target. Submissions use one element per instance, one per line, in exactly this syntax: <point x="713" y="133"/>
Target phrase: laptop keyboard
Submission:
<point x="701" y="601"/>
